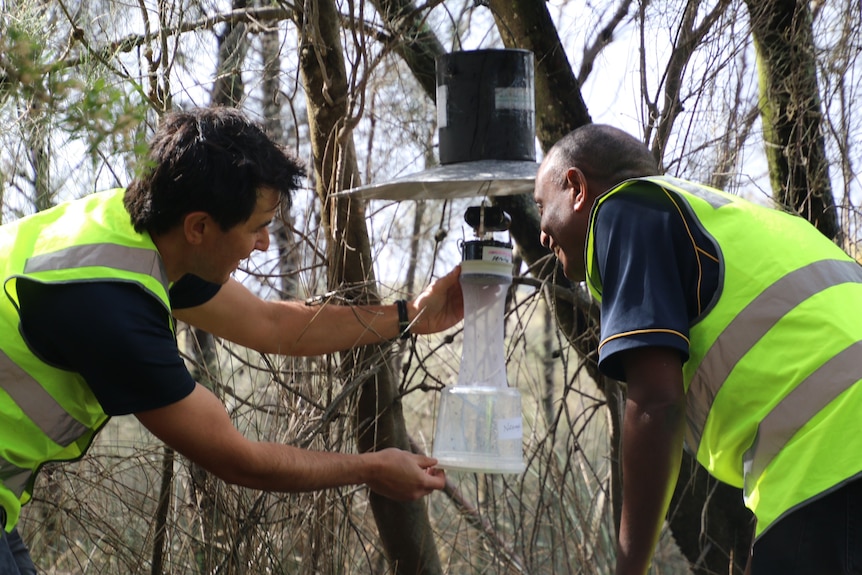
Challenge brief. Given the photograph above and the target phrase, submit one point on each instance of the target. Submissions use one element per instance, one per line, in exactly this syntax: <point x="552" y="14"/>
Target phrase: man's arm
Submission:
<point x="653" y="431"/>
<point x="199" y="428"/>
<point x="293" y="328"/>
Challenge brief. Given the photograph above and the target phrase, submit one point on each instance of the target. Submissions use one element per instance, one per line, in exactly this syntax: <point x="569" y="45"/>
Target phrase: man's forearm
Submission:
<point x="327" y="328"/>
<point x="651" y="454"/>
<point x="198" y="427"/>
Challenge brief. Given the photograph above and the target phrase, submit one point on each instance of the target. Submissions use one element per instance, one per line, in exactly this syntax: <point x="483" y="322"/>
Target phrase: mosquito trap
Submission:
<point x="486" y="130"/>
<point x="479" y="419"/>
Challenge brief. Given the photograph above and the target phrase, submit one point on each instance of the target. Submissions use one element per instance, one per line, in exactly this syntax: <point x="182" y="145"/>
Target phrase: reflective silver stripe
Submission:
<point x="37" y="404"/>
<point x="711" y="197"/>
<point x="749" y="326"/>
<point x="136" y="260"/>
<point x="14" y="478"/>
<point x="800" y="405"/>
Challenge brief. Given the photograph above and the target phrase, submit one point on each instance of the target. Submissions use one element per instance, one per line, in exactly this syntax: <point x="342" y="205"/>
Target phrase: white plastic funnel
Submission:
<point x="479" y="425"/>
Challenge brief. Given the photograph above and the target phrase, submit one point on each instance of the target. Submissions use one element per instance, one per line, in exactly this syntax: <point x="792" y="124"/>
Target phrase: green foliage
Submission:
<point x="60" y="103"/>
<point x="103" y="114"/>
<point x="21" y="73"/>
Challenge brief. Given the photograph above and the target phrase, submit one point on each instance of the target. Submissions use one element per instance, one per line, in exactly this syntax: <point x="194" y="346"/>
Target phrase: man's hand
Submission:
<point x="439" y="306"/>
<point x="404" y="476"/>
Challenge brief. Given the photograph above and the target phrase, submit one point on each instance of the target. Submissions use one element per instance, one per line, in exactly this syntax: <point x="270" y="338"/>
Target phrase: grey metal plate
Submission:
<point x="460" y="180"/>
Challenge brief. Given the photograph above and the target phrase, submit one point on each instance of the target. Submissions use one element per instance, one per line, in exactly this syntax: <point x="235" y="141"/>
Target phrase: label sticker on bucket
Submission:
<point x="499" y="255"/>
<point x="442" y="114"/>
<point x="514" y="98"/>
<point x="509" y="428"/>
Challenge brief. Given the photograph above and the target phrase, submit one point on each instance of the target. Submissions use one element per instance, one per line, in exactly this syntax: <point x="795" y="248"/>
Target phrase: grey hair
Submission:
<point x="603" y="153"/>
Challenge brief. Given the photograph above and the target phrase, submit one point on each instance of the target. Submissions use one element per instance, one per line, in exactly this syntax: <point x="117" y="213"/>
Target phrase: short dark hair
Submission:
<point x="604" y="153"/>
<point x="213" y="160"/>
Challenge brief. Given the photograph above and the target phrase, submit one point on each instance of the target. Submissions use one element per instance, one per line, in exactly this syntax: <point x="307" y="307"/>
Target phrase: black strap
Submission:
<point x="403" y="321"/>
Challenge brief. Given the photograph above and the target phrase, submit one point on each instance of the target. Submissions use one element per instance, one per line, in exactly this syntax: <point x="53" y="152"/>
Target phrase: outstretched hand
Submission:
<point x="440" y="305"/>
<point x="405" y="476"/>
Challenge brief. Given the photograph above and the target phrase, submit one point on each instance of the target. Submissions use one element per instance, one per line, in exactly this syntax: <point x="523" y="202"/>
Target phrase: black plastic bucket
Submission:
<point x="486" y="106"/>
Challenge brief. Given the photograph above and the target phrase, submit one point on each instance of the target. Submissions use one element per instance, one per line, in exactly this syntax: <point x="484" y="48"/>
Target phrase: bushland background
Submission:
<point x="759" y="97"/>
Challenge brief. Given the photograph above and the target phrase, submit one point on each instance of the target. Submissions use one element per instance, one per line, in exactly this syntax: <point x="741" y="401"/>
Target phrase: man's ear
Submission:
<point x="577" y="182"/>
<point x="195" y="227"/>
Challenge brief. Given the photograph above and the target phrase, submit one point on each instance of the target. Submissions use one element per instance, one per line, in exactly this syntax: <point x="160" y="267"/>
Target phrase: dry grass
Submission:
<point x="97" y="516"/>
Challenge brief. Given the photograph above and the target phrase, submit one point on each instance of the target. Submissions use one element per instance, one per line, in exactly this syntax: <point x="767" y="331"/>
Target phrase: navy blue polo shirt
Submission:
<point x="659" y="273"/>
<point x="115" y="335"/>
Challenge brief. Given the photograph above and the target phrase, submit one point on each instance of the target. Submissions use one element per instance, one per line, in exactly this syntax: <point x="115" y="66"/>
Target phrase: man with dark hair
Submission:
<point x="738" y="331"/>
<point x="212" y="160"/>
<point x="88" y="328"/>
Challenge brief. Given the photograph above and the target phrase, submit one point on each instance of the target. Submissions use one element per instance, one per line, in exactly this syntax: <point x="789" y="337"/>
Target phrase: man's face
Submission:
<point x="224" y="250"/>
<point x="564" y="217"/>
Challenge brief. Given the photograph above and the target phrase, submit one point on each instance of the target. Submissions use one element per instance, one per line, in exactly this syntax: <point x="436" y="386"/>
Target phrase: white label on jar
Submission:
<point x="499" y="255"/>
<point x="509" y="428"/>
<point x="442" y="96"/>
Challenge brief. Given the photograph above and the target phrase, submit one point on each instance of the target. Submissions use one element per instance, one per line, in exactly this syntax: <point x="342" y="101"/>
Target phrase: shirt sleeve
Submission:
<point x="644" y="258"/>
<point x="115" y="335"/>
<point x="191" y="291"/>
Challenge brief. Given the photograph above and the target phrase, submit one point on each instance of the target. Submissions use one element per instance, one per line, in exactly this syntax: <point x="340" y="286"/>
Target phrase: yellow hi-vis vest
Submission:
<point x="773" y="393"/>
<point x="46" y="413"/>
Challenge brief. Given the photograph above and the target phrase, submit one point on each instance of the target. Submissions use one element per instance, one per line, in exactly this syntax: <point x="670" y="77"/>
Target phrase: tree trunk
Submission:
<point x="228" y="89"/>
<point x="404" y="527"/>
<point x="412" y="39"/>
<point x="790" y="110"/>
